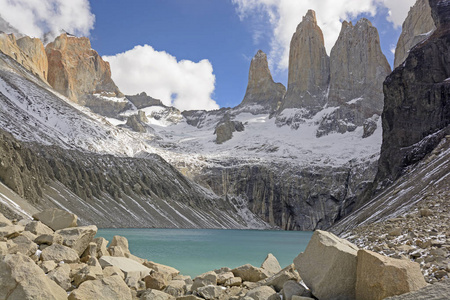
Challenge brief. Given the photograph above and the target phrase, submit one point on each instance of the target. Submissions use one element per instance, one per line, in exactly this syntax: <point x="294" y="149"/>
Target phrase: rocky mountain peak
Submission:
<point x="358" y="68"/>
<point x="29" y="52"/>
<point x="76" y="70"/>
<point x="261" y="89"/>
<point x="416" y="27"/>
<point x="309" y="67"/>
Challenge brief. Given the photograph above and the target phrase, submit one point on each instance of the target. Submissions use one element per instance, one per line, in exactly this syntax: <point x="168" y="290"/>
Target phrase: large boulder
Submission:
<point x="293" y="288"/>
<point x="38" y="228"/>
<point x="176" y="288"/>
<point x="211" y="292"/>
<point x="379" y="276"/>
<point x="61" y="275"/>
<point x="167" y="271"/>
<point x="91" y="271"/>
<point x="278" y="280"/>
<point x="328" y="266"/>
<point x="155" y="281"/>
<point x="56" y="218"/>
<point x="263" y="293"/>
<point x="271" y="264"/>
<point x="129" y="267"/>
<point x="112" y="287"/>
<point x="118" y="241"/>
<point x="21" y="278"/>
<point x="205" y="279"/>
<point x="101" y="246"/>
<point x="250" y="273"/>
<point x="58" y="253"/>
<point x="25" y="245"/>
<point x="78" y="238"/>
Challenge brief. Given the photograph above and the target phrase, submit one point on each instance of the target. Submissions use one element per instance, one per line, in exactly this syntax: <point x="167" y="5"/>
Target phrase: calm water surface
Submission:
<point x="195" y="251"/>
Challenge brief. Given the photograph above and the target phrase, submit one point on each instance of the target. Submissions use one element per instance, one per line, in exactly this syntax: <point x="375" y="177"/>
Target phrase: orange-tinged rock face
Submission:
<point x="75" y="70"/>
<point x="29" y="52"/>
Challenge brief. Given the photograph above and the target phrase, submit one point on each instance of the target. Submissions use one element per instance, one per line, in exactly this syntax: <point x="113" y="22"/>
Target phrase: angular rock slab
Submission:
<point x="21" y="279"/>
<point x="58" y="253"/>
<point x="78" y="238"/>
<point x="108" y="288"/>
<point x="263" y="293"/>
<point x="271" y="264"/>
<point x="156" y="295"/>
<point x="328" y="266"/>
<point x="379" y="276"/>
<point x="56" y="218"/>
<point x="250" y="273"/>
<point x="129" y="267"/>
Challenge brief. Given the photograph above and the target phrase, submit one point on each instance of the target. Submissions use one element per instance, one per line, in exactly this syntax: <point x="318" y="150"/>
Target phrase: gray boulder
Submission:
<point x="112" y="287"/>
<point x="271" y="264"/>
<point x="58" y="253"/>
<point x="10" y="232"/>
<point x="4" y="221"/>
<point x="61" y="275"/>
<point x="38" y="228"/>
<point x="379" y="276"/>
<point x="56" y="218"/>
<point x="278" y="280"/>
<point x="250" y="273"/>
<point x="205" y="279"/>
<point x="328" y="266"/>
<point x="25" y="245"/>
<point x="263" y="293"/>
<point x="129" y="267"/>
<point x="211" y="292"/>
<point x="293" y="288"/>
<point x="78" y="238"/>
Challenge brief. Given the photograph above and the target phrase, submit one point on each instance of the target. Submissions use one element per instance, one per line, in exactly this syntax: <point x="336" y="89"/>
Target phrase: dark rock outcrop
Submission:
<point x="309" y="67"/>
<point x="225" y="128"/>
<point x="416" y="27"/>
<point x="137" y="122"/>
<point x="417" y="101"/>
<point x="262" y="91"/>
<point x="143" y="100"/>
<point x="290" y="197"/>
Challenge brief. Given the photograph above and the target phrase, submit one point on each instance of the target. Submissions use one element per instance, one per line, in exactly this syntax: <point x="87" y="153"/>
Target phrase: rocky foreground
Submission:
<point x="53" y="258"/>
<point x="421" y="234"/>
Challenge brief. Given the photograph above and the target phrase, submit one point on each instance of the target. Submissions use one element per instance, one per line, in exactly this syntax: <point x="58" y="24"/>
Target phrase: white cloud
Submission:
<point x="184" y="84"/>
<point x="398" y="10"/>
<point x="38" y="17"/>
<point x="285" y="15"/>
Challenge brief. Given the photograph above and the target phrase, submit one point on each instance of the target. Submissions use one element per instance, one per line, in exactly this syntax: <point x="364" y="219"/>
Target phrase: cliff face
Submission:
<point x="29" y="52"/>
<point x="262" y="91"/>
<point x="358" y="68"/>
<point x="76" y="70"/>
<point x="417" y="100"/>
<point x="309" y="67"/>
<point x="416" y="27"/>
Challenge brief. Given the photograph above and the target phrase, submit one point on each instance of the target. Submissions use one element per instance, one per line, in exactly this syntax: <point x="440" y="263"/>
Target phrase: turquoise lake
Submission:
<point x="195" y="251"/>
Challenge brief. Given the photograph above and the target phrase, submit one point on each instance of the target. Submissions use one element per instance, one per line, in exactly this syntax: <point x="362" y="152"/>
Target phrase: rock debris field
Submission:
<point x="51" y="257"/>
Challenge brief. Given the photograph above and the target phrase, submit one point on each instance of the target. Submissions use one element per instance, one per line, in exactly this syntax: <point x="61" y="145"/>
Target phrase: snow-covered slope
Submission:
<point x="54" y="153"/>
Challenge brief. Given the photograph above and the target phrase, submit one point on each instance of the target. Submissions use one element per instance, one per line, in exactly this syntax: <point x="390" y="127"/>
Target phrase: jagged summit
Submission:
<point x="262" y="94"/>
<point x="309" y="67"/>
<point x="76" y="70"/>
<point x="417" y="26"/>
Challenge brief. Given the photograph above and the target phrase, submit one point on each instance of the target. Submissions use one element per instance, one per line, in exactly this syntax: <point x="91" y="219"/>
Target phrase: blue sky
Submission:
<point x="196" y="54"/>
